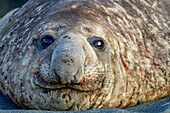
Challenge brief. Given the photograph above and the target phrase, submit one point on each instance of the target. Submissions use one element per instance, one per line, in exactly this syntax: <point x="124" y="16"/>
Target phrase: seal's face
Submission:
<point x="68" y="59"/>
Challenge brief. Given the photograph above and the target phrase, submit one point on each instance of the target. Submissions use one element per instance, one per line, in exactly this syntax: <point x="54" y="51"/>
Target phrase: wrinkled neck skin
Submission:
<point x="71" y="74"/>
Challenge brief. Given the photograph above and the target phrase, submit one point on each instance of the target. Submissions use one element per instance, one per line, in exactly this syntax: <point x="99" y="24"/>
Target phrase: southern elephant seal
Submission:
<point x="85" y="54"/>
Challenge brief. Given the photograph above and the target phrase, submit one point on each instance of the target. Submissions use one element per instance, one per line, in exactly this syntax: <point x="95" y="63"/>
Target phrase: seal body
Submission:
<point x="81" y="54"/>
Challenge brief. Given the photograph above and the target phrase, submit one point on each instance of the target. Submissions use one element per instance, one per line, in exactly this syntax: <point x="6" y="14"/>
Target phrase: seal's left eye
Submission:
<point x="99" y="44"/>
<point x="46" y="40"/>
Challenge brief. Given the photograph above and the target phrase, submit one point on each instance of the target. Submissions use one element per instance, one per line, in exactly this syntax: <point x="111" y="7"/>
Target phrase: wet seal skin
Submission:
<point x="85" y="54"/>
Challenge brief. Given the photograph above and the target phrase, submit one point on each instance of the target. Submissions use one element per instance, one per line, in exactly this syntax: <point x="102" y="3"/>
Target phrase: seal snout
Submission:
<point x="68" y="60"/>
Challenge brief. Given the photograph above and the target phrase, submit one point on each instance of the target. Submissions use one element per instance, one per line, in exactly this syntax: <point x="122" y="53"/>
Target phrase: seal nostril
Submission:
<point x="74" y="79"/>
<point x="57" y="76"/>
<point x="66" y="37"/>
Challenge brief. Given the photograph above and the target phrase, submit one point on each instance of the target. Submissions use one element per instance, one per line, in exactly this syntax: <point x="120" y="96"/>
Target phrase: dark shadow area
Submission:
<point x="8" y="5"/>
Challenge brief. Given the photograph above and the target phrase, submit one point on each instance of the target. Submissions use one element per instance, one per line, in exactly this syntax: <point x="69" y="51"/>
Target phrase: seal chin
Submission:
<point x="84" y="86"/>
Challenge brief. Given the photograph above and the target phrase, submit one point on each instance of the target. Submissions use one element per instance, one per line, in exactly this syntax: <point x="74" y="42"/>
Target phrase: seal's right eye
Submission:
<point x="46" y="40"/>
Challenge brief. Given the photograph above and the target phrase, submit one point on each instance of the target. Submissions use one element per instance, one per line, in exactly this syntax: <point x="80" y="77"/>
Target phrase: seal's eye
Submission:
<point x="46" y="40"/>
<point x="99" y="44"/>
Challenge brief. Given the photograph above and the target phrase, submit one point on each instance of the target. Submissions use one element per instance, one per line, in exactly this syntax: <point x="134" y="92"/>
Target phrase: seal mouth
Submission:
<point x="83" y="86"/>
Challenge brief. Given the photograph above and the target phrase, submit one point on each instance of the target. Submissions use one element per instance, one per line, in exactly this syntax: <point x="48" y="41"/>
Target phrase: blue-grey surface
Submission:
<point x="8" y="5"/>
<point x="158" y="106"/>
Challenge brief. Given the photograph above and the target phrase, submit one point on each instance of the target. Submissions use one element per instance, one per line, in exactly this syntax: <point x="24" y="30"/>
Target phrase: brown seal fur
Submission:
<point x="133" y="66"/>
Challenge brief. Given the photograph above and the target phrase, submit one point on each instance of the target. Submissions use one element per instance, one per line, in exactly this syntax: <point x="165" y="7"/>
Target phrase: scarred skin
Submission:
<point x="71" y="73"/>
